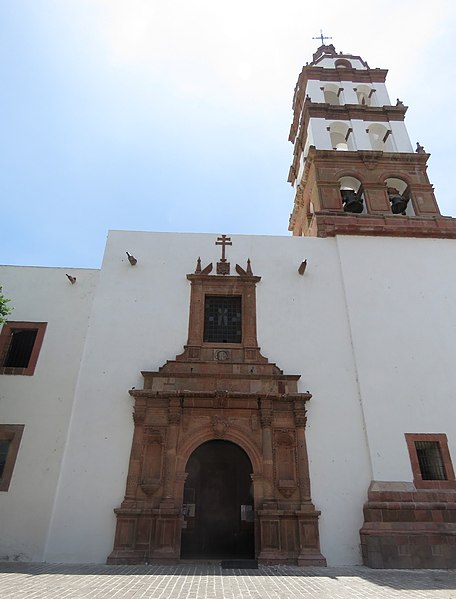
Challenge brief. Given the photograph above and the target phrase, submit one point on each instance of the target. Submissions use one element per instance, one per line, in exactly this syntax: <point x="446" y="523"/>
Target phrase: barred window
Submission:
<point x="222" y="319"/>
<point x="430" y="460"/>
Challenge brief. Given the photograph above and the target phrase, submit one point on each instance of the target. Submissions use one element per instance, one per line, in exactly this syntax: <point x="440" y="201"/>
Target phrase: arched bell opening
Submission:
<point x="381" y="138"/>
<point x="399" y="196"/>
<point x="351" y="192"/>
<point x="342" y="63"/>
<point x="331" y="94"/>
<point x="218" y="503"/>
<point x="365" y="95"/>
<point x="341" y="137"/>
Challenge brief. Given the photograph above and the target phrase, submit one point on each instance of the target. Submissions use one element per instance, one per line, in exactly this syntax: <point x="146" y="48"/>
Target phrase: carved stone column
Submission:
<point x="250" y="333"/>
<point x="196" y="318"/>
<point x="174" y="418"/>
<point x="134" y="470"/>
<point x="166" y="543"/>
<point x="268" y="470"/>
<point x="300" y="419"/>
<point x="309" y="538"/>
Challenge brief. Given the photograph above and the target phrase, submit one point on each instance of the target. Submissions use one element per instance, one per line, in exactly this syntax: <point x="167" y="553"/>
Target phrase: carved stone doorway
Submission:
<point x="180" y="504"/>
<point x="218" y="503"/>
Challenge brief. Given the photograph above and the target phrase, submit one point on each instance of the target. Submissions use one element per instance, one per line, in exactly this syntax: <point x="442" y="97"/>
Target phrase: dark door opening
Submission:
<point x="218" y="503"/>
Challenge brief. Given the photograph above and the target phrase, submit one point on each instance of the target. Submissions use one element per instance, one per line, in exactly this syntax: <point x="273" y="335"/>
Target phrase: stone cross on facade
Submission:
<point x="322" y="37"/>
<point x="223" y="267"/>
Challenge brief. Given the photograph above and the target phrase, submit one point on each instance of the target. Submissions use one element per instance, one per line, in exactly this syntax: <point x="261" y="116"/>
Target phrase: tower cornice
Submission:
<point x="343" y="112"/>
<point x="327" y="74"/>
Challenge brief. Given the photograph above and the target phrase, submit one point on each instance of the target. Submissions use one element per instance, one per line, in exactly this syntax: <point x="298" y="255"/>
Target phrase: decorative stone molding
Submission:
<point x="222" y="355"/>
<point x="139" y="414"/>
<point x="300" y="416"/>
<point x="219" y="426"/>
<point x="211" y="393"/>
<point x="285" y="461"/>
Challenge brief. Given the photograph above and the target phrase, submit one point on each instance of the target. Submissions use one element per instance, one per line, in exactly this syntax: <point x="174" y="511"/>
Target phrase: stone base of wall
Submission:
<point x="409" y="528"/>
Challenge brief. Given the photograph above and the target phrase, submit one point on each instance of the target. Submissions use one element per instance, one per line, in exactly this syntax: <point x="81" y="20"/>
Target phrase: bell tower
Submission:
<point x="354" y="169"/>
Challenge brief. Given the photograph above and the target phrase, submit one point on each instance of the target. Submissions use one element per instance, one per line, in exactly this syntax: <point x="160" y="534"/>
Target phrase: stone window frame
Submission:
<point x="13" y="434"/>
<point x="224" y="286"/>
<point x="5" y="339"/>
<point x="441" y="439"/>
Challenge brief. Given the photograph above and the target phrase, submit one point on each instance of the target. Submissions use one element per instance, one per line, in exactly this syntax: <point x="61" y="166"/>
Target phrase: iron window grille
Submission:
<point x="223" y="319"/>
<point x="430" y="460"/>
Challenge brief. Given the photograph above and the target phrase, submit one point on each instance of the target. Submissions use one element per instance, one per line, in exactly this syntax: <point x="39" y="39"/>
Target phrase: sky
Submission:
<point x="174" y="116"/>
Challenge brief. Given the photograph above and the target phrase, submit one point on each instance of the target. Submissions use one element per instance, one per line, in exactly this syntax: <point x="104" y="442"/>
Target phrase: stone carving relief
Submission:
<point x="222" y="355"/>
<point x="219" y="425"/>
<point x="153" y="458"/>
<point x="285" y="462"/>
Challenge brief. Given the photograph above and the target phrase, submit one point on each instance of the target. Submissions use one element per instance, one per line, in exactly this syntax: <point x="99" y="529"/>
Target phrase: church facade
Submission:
<point x="285" y="399"/>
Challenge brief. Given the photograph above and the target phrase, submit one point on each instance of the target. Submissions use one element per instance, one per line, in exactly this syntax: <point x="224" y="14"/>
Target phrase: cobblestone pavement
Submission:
<point x="209" y="581"/>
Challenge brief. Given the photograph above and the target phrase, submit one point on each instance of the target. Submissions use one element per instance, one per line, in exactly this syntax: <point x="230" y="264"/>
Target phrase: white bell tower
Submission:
<point x="354" y="169"/>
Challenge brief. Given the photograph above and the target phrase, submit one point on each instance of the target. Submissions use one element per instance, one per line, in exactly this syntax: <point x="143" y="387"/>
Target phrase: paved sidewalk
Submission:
<point x="209" y="581"/>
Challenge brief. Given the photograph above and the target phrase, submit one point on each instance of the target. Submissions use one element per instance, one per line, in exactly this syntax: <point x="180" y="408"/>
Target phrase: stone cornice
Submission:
<point x="330" y="224"/>
<point x="223" y="279"/>
<point x="198" y="375"/>
<point x="348" y="112"/>
<point x="377" y="156"/>
<point x="355" y="75"/>
<point x="148" y="393"/>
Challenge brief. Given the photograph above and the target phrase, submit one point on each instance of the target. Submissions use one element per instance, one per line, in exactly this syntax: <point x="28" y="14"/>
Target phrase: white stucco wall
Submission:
<point x="381" y="95"/>
<point x="401" y="302"/>
<point x="370" y="328"/>
<point x="41" y="402"/>
<point x="401" y="136"/>
<point x="318" y="129"/>
<point x="141" y="314"/>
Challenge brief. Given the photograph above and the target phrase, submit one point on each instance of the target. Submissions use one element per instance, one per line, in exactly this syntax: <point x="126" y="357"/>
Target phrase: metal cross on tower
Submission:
<point x="322" y="37"/>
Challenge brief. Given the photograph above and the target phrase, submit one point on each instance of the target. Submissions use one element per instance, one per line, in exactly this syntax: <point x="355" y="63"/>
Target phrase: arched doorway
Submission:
<point x="218" y="503"/>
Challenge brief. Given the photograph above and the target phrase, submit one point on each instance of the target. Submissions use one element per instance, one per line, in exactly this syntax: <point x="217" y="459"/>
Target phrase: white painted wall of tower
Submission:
<point x="348" y="95"/>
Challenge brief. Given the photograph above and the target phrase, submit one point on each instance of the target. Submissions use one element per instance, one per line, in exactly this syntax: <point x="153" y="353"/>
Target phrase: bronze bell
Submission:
<point x="352" y="201"/>
<point x="398" y="202"/>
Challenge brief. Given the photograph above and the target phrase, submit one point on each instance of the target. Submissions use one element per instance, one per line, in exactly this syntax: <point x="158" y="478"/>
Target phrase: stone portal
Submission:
<point x="219" y="426"/>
